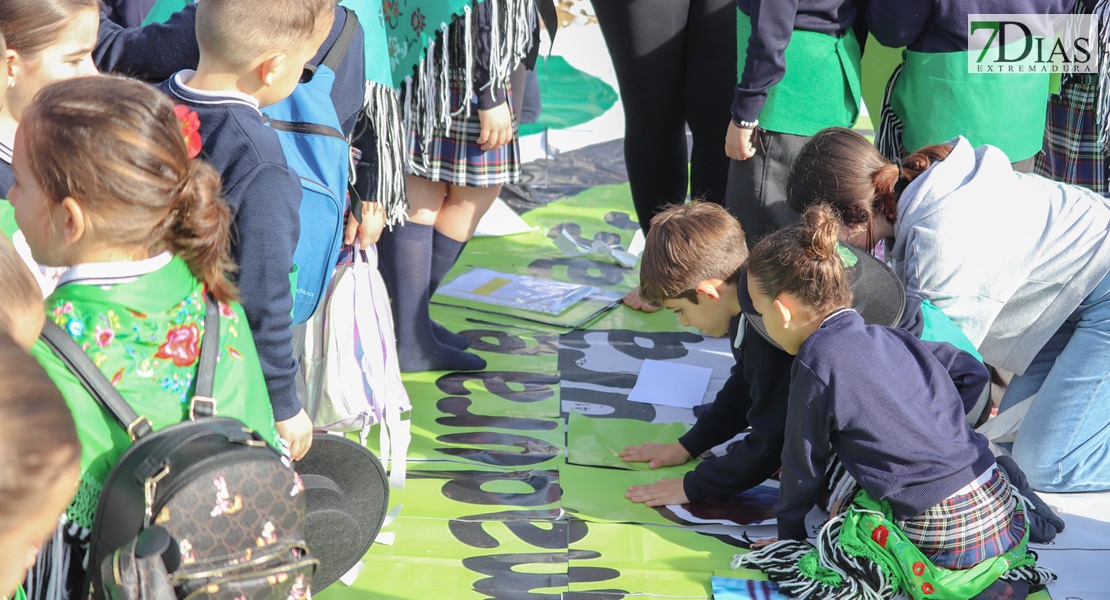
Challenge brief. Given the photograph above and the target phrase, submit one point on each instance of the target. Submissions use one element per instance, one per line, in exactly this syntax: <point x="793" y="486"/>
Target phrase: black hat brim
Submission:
<point x="346" y="496"/>
<point x="877" y="294"/>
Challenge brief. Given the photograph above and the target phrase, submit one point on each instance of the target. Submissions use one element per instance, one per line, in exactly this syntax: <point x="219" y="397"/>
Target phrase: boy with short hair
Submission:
<point x="692" y="263"/>
<point x="253" y="54"/>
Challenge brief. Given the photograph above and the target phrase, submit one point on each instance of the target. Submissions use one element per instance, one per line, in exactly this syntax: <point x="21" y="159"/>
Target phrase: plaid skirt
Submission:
<point x="975" y="524"/>
<point x="1072" y="153"/>
<point x="454" y="156"/>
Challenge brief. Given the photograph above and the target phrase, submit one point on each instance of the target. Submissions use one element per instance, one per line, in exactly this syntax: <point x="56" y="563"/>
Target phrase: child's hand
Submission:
<point x="297" y="432"/>
<point x="756" y="545"/>
<point x="660" y="493"/>
<point x="659" y="455"/>
<point x="633" y="300"/>
<point x="739" y="142"/>
<point x="497" y="127"/>
<point x="370" y="230"/>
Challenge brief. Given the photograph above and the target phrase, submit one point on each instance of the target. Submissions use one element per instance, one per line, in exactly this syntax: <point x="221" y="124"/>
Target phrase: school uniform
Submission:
<point x="932" y="97"/>
<point x="798" y="66"/>
<point x="264" y="196"/>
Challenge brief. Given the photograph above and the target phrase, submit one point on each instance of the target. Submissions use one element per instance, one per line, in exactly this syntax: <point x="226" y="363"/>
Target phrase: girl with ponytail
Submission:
<point x="108" y="185"/>
<point x="1019" y="262"/>
<point x="933" y="514"/>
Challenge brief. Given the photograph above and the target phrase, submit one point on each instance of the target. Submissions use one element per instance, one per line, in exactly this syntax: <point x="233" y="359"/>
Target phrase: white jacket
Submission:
<point x="1007" y="256"/>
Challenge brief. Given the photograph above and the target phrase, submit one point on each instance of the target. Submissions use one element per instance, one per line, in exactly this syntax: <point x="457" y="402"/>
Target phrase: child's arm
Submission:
<point x="806" y="453"/>
<point x="969" y="375"/>
<point x="266" y="227"/>
<point x="152" y="53"/>
<point x="494" y="113"/>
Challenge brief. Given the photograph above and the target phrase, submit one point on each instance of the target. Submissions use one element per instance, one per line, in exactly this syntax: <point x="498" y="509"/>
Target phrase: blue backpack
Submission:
<point x="316" y="149"/>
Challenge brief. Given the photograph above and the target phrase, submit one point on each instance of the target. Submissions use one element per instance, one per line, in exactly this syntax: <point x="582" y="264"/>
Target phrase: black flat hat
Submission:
<point x="346" y="496"/>
<point x="877" y="294"/>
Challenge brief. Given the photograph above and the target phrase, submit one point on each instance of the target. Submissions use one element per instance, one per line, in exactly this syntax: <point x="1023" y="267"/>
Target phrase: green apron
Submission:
<point x="821" y="86"/>
<point x="145" y="336"/>
<point x="937" y="99"/>
<point x="939" y="328"/>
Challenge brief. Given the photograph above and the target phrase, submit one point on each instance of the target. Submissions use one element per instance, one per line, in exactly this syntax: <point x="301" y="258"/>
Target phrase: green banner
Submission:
<point x="598" y="442"/>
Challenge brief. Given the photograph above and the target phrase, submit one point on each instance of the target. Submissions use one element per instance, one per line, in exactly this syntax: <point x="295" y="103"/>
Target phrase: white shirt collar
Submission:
<point x="108" y="274"/>
<point x="211" y="97"/>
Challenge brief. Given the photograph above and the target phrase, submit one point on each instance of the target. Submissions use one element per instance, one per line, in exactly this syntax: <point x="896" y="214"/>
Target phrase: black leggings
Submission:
<point x="676" y="66"/>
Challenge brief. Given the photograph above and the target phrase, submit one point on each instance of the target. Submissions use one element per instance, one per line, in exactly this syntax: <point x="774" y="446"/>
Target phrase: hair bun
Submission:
<point x="822" y="226"/>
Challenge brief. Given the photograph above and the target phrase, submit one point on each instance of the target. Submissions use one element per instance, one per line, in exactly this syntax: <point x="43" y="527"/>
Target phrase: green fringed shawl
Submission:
<point x="145" y="336"/>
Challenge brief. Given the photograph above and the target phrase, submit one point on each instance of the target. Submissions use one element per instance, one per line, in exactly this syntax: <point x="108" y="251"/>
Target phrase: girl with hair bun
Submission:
<point x="1019" y="262"/>
<point x="934" y="513"/>
<point x="108" y="184"/>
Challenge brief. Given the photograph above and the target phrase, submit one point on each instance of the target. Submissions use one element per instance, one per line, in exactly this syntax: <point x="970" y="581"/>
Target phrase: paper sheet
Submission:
<point x="501" y="220"/>
<point x="515" y="291"/>
<point x="671" y="384"/>
<point x="599" y="249"/>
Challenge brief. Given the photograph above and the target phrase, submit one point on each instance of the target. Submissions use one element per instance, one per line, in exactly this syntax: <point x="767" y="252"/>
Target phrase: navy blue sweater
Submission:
<point x="264" y="196"/>
<point x="755" y="395"/>
<point x="773" y="22"/>
<point x="941" y="25"/>
<point x="891" y="407"/>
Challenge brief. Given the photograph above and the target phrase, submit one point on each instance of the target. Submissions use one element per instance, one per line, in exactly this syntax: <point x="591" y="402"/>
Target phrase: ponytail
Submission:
<point x="117" y="146"/>
<point x="839" y="167"/>
<point x="200" y="230"/>
<point x="804" y="261"/>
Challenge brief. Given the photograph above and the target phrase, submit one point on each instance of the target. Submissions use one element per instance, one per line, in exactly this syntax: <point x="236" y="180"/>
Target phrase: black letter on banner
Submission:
<point x="579" y="270"/>
<point x="533" y="451"/>
<point x="537" y="386"/>
<point x="504" y="583"/>
<point x="460" y="408"/>
<point x="466" y="487"/>
<point x="471" y="530"/>
<point x="511" y="344"/>
<point x="666" y="345"/>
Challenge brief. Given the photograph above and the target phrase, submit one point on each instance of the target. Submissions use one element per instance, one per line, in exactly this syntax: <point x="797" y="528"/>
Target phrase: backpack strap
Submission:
<point x="93" y="379"/>
<point x="342" y="43"/>
<point x="96" y="383"/>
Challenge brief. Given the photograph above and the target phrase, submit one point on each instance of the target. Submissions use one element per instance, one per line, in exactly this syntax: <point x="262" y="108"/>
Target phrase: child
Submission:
<point x="1020" y="263"/>
<point x="106" y="184"/>
<point x="247" y="62"/>
<point x="460" y="154"/>
<point x="692" y="265"/>
<point x="935" y="513"/>
<point x="47" y="40"/>
<point x="39" y="457"/>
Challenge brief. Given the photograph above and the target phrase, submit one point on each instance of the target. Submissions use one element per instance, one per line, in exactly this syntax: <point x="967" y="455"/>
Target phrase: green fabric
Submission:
<point x="145" y="337"/>
<point x="903" y="561"/>
<point x="939" y="328"/>
<point x="376" y="43"/>
<point x="410" y="25"/>
<point x="570" y="97"/>
<point x="598" y="442"/>
<point x="8" y="226"/>
<point x="1006" y="110"/>
<point x="821" y="86"/>
<point x="162" y="10"/>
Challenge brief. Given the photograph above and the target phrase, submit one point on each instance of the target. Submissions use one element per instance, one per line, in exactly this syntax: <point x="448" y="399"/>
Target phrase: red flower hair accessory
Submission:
<point x="190" y="128"/>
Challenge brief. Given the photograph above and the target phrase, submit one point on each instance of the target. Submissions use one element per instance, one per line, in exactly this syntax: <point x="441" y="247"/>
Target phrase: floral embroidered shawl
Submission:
<point x="145" y="336"/>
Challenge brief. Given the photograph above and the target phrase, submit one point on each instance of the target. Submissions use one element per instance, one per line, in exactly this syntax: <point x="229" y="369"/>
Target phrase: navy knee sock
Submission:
<point x="445" y="253"/>
<point x="406" y="259"/>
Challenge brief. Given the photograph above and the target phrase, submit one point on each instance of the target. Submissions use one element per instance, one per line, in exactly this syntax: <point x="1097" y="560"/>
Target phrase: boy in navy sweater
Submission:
<point x="253" y="54"/>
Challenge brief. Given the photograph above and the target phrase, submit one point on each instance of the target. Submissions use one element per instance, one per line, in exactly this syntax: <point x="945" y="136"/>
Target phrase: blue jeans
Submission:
<point x="1064" y="441"/>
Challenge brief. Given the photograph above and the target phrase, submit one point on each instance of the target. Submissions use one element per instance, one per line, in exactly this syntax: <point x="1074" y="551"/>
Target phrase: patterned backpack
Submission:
<point x="201" y="509"/>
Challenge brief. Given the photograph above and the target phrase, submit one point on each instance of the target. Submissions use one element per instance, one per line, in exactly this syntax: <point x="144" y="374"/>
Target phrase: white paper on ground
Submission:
<point x="671" y="384"/>
<point x="350" y="577"/>
<point x="501" y="220"/>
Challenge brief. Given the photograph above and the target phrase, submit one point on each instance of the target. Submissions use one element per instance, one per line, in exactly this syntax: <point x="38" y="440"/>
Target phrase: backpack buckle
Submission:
<point x="138" y="428"/>
<point x="202" y="407"/>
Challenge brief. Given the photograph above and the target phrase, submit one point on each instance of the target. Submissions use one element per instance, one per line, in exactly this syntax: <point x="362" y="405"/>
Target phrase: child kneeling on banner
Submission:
<point x="935" y="516"/>
<point x="108" y="184"/>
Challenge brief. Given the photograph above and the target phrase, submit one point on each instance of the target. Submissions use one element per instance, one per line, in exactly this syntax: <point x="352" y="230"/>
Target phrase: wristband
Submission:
<point x="746" y="124"/>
